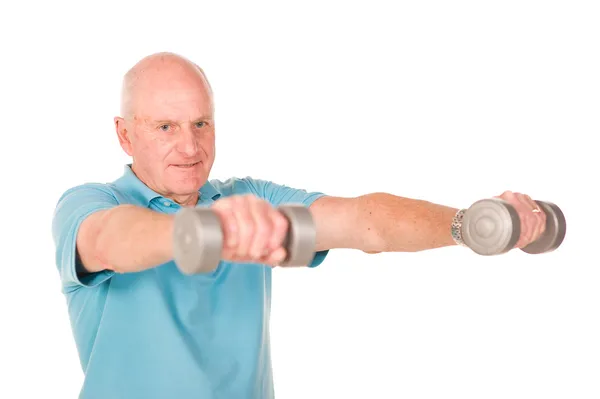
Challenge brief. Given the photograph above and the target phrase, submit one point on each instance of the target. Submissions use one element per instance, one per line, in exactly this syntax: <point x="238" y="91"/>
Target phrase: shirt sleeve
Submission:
<point x="72" y="208"/>
<point x="278" y="194"/>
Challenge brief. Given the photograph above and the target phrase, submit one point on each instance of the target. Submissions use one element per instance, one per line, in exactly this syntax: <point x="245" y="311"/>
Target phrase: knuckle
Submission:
<point x="227" y="220"/>
<point x="263" y="205"/>
<point x="221" y="204"/>
<point x="262" y="228"/>
<point x="240" y="200"/>
<point x="280" y="221"/>
<point x="249" y="231"/>
<point x="246" y="228"/>
<point x="226" y="203"/>
<point x="281" y="227"/>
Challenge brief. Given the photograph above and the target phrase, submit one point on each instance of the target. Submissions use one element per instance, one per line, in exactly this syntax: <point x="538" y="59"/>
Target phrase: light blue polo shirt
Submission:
<point x="159" y="333"/>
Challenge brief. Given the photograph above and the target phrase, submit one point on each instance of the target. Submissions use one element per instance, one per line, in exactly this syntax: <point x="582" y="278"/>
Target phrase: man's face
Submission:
<point x="171" y="136"/>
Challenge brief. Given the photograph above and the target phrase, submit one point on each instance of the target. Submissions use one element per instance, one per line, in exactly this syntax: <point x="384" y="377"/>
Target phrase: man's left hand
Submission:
<point x="533" y="219"/>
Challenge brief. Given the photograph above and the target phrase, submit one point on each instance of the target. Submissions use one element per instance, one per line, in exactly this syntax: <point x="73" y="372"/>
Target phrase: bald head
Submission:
<point x="158" y="72"/>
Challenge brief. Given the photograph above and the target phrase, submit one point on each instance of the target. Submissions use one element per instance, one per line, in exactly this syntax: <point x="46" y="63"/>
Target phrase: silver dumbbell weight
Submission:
<point x="492" y="226"/>
<point x="198" y="238"/>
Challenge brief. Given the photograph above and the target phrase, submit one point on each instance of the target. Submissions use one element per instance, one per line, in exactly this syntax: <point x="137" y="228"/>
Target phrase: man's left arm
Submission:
<point x="381" y="222"/>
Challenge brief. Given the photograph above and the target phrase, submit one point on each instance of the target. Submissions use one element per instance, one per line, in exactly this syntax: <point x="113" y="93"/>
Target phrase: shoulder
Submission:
<point x="88" y="188"/>
<point x="81" y="200"/>
<point x="106" y="192"/>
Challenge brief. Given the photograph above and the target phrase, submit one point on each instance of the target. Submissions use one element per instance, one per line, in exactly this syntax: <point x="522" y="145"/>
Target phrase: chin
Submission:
<point x="188" y="180"/>
<point x="188" y="185"/>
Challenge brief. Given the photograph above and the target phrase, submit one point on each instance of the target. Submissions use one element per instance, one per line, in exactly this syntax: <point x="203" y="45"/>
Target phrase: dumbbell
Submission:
<point x="492" y="226"/>
<point x="198" y="238"/>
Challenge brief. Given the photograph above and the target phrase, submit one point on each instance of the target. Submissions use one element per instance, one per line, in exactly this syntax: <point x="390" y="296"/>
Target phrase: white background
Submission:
<point x="445" y="101"/>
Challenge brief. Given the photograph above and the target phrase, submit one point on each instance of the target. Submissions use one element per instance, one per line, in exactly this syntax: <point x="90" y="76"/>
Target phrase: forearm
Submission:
<point x="391" y="223"/>
<point x="132" y="238"/>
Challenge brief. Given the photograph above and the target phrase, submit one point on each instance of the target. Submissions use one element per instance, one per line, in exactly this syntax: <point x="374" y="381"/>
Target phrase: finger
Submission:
<point x="262" y="228"/>
<point x="525" y="215"/>
<point x="543" y="219"/>
<point x="540" y="220"/>
<point x="229" y="226"/>
<point x="505" y="195"/>
<point x="537" y="218"/>
<point x="245" y="223"/>
<point x="535" y="208"/>
<point x="275" y="258"/>
<point x="280" y="229"/>
<point x="534" y="218"/>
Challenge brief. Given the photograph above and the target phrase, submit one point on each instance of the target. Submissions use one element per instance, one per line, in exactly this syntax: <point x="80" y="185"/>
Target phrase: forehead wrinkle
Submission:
<point x="153" y="120"/>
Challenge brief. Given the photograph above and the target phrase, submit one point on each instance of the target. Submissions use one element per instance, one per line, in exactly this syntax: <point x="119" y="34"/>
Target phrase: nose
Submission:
<point x="187" y="143"/>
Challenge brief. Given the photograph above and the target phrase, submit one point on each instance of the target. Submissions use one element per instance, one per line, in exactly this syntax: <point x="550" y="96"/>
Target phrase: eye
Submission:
<point x="200" y="124"/>
<point x="164" y="128"/>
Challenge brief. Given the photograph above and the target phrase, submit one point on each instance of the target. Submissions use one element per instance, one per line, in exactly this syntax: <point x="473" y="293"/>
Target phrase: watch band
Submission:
<point x="456" y="227"/>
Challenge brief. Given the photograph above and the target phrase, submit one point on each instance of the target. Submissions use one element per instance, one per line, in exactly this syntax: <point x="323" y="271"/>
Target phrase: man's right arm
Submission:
<point x="124" y="239"/>
<point x="96" y="236"/>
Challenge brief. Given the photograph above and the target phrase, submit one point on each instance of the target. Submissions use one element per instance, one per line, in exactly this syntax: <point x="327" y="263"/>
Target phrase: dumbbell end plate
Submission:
<point x="197" y="241"/>
<point x="491" y="227"/>
<point x="554" y="234"/>
<point x="301" y="239"/>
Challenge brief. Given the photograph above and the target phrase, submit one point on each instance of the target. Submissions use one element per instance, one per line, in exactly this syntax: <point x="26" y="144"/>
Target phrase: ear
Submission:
<point x="123" y="135"/>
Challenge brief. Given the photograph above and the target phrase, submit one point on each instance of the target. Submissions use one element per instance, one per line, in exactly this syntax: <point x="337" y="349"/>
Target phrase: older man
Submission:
<point x="145" y="330"/>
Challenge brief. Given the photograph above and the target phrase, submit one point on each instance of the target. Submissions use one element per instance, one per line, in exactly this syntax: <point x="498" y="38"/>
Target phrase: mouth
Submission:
<point x="186" y="165"/>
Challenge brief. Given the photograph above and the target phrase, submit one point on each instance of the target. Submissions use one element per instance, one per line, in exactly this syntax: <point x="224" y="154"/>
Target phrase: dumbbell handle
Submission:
<point x="198" y="238"/>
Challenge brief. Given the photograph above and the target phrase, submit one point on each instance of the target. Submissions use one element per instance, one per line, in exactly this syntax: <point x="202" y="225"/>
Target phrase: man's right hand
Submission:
<point x="253" y="230"/>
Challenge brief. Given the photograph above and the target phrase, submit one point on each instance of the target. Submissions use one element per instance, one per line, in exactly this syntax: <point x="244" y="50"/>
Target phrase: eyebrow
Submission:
<point x="162" y="121"/>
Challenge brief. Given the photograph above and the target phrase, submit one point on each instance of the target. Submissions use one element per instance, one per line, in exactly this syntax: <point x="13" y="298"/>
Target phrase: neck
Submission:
<point x="185" y="200"/>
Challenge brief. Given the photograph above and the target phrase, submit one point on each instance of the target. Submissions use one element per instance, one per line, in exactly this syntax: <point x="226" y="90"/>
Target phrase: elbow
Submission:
<point x="389" y="223"/>
<point x="92" y="243"/>
<point x="367" y="223"/>
<point x="378" y="237"/>
<point x="102" y="252"/>
<point x="373" y="239"/>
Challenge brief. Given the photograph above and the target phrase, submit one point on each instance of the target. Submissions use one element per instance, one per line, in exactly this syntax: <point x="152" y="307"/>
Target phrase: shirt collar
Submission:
<point x="144" y="194"/>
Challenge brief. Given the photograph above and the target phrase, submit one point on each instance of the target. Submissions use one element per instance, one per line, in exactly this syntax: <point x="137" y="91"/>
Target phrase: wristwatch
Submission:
<point x="456" y="227"/>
